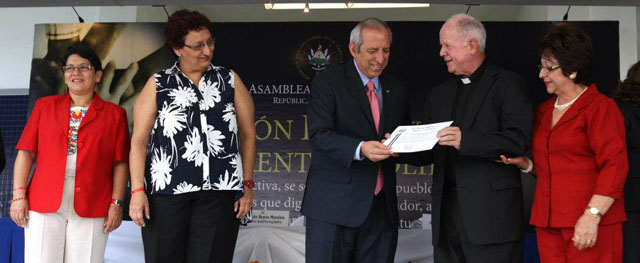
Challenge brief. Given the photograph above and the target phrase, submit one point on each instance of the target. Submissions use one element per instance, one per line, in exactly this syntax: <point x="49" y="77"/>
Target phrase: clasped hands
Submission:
<point x="376" y="151"/>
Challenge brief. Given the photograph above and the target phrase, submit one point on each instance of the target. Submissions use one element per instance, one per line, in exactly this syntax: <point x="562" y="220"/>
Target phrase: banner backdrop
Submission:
<point x="276" y="61"/>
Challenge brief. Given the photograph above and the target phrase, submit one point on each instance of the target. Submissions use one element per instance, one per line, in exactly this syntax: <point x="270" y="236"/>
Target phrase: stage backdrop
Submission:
<point x="277" y="61"/>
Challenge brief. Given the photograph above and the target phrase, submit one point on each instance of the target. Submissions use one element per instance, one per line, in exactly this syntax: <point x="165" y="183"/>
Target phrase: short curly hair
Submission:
<point x="571" y="47"/>
<point x="179" y="25"/>
<point x="629" y="89"/>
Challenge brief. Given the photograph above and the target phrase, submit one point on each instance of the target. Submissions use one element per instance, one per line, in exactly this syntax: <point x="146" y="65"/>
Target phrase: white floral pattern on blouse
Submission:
<point x="194" y="142"/>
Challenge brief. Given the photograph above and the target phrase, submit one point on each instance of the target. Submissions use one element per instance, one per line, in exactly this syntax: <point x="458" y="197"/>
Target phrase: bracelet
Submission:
<point x="137" y="190"/>
<point x="17" y="199"/>
<point x="249" y="183"/>
<point x="530" y="168"/>
<point x="19" y="188"/>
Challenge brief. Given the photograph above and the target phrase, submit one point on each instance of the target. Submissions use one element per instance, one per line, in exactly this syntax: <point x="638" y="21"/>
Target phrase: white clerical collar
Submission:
<point x="465" y="80"/>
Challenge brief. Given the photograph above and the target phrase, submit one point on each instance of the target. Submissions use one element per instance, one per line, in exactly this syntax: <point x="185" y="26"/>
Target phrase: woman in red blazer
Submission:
<point x="581" y="157"/>
<point x="80" y="144"/>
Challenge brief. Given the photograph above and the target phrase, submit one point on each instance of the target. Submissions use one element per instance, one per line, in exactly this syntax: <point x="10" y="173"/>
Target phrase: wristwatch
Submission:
<point x="117" y="202"/>
<point x="594" y="211"/>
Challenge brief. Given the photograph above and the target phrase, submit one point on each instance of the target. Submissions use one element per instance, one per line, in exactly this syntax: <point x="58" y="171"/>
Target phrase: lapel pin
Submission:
<point x="387" y="91"/>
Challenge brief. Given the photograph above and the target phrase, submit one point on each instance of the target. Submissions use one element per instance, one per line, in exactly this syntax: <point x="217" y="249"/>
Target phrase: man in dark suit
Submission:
<point x="350" y="201"/>
<point x="477" y="202"/>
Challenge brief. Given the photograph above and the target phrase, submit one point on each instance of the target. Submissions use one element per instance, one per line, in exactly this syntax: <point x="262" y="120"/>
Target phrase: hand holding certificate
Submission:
<point x="415" y="138"/>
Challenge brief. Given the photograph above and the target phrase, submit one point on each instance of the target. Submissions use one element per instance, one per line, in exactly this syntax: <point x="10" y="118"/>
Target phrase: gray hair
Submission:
<point x="471" y="28"/>
<point x="371" y="22"/>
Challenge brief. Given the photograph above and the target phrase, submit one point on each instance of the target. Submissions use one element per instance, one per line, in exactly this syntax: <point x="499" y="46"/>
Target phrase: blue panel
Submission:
<point x="13" y="117"/>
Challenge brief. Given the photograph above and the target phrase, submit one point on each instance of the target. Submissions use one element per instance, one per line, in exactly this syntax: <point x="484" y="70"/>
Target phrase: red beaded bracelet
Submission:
<point x="137" y="190"/>
<point x="249" y="183"/>
<point x="19" y="188"/>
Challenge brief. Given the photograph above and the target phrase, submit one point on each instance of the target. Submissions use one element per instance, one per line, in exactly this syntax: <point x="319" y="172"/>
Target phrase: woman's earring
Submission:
<point x="573" y="75"/>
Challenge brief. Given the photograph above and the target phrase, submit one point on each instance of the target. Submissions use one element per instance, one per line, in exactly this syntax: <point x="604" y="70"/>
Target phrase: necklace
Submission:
<point x="559" y="106"/>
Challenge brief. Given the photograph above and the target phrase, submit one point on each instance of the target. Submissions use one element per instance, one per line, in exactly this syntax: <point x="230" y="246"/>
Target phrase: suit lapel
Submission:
<point x="387" y="105"/>
<point x="62" y="113"/>
<point x="359" y="93"/>
<point x="446" y="102"/>
<point x="545" y="111"/>
<point x="438" y="103"/>
<point x="92" y="112"/>
<point x="478" y="95"/>
<point x="577" y="107"/>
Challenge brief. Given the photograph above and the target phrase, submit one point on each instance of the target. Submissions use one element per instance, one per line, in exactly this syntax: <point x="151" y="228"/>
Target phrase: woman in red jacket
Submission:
<point x="80" y="144"/>
<point x="580" y="154"/>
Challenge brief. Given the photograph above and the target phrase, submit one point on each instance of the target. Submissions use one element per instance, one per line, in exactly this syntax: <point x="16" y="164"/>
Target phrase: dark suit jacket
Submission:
<point x="340" y="190"/>
<point x="631" y="115"/>
<point x="497" y="121"/>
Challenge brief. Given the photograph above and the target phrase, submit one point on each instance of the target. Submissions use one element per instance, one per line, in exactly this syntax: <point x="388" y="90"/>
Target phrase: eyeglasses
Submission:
<point x="200" y="45"/>
<point x="548" y="68"/>
<point x="81" y="68"/>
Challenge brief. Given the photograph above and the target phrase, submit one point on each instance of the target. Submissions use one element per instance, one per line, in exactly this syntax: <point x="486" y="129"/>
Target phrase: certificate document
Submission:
<point x="415" y="138"/>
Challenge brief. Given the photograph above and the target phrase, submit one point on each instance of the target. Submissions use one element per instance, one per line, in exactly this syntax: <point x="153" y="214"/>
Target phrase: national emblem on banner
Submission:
<point x="316" y="54"/>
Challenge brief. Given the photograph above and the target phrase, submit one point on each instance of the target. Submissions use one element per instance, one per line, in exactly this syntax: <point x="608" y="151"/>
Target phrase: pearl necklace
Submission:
<point x="559" y="106"/>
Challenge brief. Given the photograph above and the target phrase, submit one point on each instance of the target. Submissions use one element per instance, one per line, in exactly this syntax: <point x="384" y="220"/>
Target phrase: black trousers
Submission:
<point x="192" y="227"/>
<point x="374" y="241"/>
<point x="454" y="246"/>
<point x="631" y="238"/>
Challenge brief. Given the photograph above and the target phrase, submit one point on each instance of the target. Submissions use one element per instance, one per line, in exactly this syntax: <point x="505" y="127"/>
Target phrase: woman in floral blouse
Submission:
<point x="193" y="151"/>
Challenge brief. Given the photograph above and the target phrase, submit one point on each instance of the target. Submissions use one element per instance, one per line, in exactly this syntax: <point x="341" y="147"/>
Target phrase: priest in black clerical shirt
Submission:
<point x="477" y="203"/>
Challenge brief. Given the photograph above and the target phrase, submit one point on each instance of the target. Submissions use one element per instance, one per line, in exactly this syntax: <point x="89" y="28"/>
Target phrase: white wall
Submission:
<point x="17" y="30"/>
